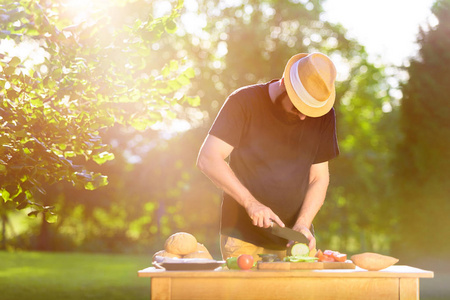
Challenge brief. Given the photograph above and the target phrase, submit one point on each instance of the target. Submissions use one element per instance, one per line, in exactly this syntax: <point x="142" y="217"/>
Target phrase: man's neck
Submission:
<point x="275" y="90"/>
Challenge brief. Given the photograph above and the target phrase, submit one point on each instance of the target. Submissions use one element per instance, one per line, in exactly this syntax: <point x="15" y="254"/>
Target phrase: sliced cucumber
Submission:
<point x="297" y="258"/>
<point x="300" y="249"/>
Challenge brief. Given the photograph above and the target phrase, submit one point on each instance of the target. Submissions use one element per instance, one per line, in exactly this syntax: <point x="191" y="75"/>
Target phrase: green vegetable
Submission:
<point x="300" y="258"/>
<point x="300" y="249"/>
<point x="232" y="263"/>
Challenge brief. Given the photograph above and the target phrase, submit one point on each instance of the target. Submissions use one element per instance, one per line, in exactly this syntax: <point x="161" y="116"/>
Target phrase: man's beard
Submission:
<point x="279" y="105"/>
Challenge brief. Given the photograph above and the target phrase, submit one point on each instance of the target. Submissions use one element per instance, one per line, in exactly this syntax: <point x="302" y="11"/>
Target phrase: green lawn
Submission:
<point x="66" y="276"/>
<point x="70" y="276"/>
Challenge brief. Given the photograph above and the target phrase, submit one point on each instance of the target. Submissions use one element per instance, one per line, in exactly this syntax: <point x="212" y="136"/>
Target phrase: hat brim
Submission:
<point x="298" y="103"/>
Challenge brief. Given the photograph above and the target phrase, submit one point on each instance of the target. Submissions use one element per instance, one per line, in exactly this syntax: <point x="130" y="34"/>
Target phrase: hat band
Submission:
<point x="300" y="90"/>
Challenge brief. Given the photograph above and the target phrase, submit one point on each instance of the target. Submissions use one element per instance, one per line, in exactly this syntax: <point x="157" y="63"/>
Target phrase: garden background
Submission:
<point x="103" y="111"/>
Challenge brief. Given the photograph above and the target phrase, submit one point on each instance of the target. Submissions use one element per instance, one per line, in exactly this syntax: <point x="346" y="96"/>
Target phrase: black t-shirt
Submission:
<point x="272" y="156"/>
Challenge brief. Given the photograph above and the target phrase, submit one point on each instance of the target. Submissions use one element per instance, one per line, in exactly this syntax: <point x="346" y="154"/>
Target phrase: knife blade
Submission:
<point x="288" y="233"/>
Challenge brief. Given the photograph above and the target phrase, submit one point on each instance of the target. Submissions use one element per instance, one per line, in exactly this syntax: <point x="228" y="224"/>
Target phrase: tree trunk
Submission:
<point x="43" y="242"/>
<point x="4" y="221"/>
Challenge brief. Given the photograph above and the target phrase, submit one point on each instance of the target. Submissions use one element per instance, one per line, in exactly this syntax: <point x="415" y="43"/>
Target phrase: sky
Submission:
<point x="387" y="28"/>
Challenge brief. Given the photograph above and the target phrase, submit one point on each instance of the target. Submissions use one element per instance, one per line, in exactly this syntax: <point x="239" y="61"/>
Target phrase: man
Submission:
<point x="280" y="136"/>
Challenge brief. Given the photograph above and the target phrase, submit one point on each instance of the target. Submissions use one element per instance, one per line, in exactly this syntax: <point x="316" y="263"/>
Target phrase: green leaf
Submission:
<point x="14" y="61"/>
<point x="173" y="65"/>
<point x="99" y="181"/>
<point x="189" y="72"/>
<point x="69" y="154"/>
<point x="171" y="115"/>
<point x="103" y="157"/>
<point x="141" y="124"/>
<point x="171" y="26"/>
<point x="165" y="71"/>
<point x="3" y="170"/>
<point x="5" y="195"/>
<point x="174" y="85"/>
<point x="180" y="4"/>
<point x="37" y="102"/>
<point x="193" y="101"/>
<point x="10" y="70"/>
<point x="51" y="217"/>
<point x="183" y="80"/>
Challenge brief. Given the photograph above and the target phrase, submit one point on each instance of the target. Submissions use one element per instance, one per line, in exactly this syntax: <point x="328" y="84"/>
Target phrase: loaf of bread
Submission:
<point x="198" y="254"/>
<point x="181" y="243"/>
<point x="201" y="247"/>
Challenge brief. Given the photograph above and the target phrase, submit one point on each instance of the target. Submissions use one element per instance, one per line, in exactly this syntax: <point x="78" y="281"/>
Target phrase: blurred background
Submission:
<point x="106" y="104"/>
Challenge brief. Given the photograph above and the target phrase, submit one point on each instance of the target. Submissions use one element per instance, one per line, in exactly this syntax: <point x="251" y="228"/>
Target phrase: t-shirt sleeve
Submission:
<point x="328" y="146"/>
<point x="230" y="121"/>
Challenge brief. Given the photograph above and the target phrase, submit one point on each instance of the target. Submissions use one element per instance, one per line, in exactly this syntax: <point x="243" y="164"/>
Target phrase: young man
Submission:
<point x="280" y="136"/>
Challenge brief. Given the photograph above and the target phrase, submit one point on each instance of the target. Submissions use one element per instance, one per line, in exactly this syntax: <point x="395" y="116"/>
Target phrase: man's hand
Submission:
<point x="261" y="215"/>
<point x="306" y="232"/>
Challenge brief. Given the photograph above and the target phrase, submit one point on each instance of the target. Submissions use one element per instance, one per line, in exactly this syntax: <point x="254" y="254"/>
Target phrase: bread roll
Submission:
<point x="198" y="254"/>
<point x="373" y="261"/>
<point x="181" y="243"/>
<point x="164" y="253"/>
<point x="201" y="247"/>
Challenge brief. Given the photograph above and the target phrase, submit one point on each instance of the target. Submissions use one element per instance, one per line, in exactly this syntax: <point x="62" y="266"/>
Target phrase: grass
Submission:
<point x="67" y="276"/>
<point x="70" y="276"/>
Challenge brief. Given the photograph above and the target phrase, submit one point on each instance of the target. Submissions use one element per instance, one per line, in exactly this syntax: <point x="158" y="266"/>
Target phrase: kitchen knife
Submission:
<point x="289" y="234"/>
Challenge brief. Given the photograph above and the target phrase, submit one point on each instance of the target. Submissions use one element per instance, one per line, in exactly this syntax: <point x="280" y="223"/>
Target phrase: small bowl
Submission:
<point x="373" y="261"/>
<point x="268" y="257"/>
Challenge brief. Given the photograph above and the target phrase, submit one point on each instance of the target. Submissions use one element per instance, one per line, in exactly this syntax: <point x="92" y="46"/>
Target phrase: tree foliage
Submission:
<point x="234" y="44"/>
<point x="92" y="75"/>
<point x="251" y="41"/>
<point x="422" y="160"/>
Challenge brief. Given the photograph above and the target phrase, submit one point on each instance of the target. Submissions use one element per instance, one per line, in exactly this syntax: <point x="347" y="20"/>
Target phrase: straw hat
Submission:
<point x="309" y="81"/>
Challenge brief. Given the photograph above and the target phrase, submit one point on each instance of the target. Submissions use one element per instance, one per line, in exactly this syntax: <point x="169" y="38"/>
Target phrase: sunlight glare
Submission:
<point x="82" y="10"/>
<point x="161" y="8"/>
<point x="193" y="22"/>
<point x="387" y="28"/>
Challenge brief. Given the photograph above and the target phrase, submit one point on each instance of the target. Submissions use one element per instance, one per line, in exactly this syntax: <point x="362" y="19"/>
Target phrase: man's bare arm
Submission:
<point x="211" y="161"/>
<point x="319" y="179"/>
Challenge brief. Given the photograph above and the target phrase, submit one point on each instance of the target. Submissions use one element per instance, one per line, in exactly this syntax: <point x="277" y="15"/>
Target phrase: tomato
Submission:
<point x="319" y="254"/>
<point x="327" y="258"/>
<point x="339" y="257"/>
<point x="331" y="256"/>
<point x="324" y="256"/>
<point x="245" y="261"/>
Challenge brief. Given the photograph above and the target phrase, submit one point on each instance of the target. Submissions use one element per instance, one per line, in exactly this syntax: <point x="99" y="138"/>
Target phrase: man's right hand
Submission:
<point x="261" y="215"/>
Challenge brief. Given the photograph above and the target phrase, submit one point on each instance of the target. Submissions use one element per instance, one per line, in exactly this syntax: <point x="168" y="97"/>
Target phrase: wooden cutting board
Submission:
<point x="304" y="265"/>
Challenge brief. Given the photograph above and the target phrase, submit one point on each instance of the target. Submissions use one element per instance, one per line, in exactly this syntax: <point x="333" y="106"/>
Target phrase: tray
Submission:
<point x="189" y="264"/>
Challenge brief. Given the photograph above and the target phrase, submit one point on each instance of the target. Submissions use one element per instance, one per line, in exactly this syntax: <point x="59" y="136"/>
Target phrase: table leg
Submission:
<point x="161" y="289"/>
<point x="409" y="288"/>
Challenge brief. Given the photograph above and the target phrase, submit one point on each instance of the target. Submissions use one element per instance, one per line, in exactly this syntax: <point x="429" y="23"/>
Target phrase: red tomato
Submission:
<point x="324" y="257"/>
<point x="319" y="255"/>
<point x="339" y="257"/>
<point x="327" y="258"/>
<point x="245" y="261"/>
<point x="331" y="256"/>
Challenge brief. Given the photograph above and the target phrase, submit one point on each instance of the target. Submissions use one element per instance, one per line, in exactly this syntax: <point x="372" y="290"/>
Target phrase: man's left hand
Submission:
<point x="307" y="233"/>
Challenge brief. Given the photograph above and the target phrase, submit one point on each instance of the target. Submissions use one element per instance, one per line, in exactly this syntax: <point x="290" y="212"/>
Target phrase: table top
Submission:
<point x="393" y="271"/>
